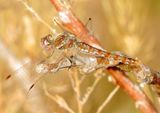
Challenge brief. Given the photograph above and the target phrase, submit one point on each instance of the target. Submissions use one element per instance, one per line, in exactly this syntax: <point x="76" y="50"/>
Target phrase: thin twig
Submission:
<point x="59" y="100"/>
<point x="83" y="78"/>
<point x="30" y="9"/>
<point x="108" y="99"/>
<point x="76" y="86"/>
<point x="72" y="82"/>
<point x="90" y="90"/>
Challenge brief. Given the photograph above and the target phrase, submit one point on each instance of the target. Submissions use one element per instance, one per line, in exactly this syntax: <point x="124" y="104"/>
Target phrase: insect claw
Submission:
<point x="69" y="67"/>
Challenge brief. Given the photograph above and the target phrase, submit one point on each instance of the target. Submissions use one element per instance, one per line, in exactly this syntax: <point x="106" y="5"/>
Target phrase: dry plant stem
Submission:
<point x="76" y="86"/>
<point x="83" y="78"/>
<point x="107" y="100"/>
<point x="77" y="27"/>
<point x="59" y="100"/>
<point x="30" y="9"/>
<point x="91" y="89"/>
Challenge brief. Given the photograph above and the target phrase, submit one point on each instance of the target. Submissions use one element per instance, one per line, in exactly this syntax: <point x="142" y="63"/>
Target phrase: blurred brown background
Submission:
<point x="130" y="26"/>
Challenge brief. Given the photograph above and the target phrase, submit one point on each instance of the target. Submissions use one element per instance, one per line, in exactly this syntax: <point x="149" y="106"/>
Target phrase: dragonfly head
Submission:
<point x="47" y="42"/>
<point x="64" y="40"/>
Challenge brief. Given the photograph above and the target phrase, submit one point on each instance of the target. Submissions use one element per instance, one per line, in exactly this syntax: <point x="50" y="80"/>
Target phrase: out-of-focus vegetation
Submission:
<point x="122" y="25"/>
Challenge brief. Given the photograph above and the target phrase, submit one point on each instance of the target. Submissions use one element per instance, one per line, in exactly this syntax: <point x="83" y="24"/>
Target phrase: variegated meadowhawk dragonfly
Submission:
<point x="89" y="58"/>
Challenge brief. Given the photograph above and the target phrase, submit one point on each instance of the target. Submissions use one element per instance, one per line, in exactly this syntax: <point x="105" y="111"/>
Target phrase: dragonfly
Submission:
<point x="89" y="58"/>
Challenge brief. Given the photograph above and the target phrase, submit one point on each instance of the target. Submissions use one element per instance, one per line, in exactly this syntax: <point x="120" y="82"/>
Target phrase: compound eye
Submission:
<point x="46" y="42"/>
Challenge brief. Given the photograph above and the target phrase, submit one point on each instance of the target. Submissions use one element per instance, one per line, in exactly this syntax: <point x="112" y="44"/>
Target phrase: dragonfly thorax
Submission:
<point x="64" y="41"/>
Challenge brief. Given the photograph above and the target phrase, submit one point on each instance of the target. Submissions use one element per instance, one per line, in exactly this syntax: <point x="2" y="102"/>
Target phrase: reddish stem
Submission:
<point x="141" y="100"/>
<point x="77" y="27"/>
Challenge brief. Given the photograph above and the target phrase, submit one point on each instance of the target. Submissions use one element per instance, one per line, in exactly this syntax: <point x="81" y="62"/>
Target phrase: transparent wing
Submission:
<point x="28" y="74"/>
<point x="24" y="73"/>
